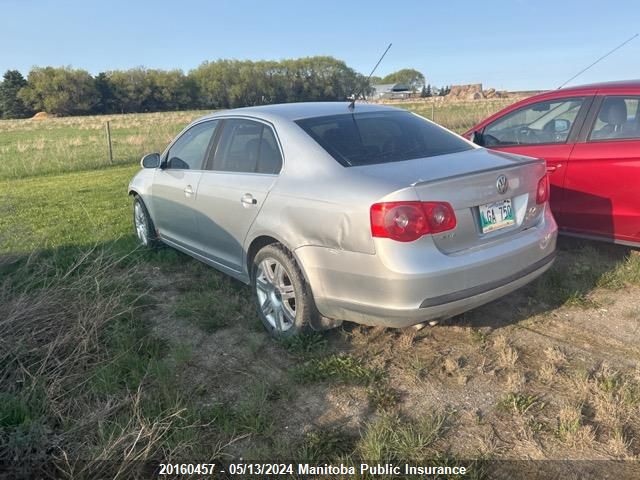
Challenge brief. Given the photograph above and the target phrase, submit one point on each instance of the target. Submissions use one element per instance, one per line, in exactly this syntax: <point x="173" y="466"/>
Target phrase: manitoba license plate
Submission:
<point x="497" y="215"/>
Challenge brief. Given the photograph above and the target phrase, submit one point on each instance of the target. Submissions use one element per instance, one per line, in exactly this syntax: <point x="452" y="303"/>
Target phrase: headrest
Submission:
<point x="613" y="111"/>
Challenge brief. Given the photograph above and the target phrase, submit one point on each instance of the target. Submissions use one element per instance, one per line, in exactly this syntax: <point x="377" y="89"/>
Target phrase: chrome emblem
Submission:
<point x="502" y="184"/>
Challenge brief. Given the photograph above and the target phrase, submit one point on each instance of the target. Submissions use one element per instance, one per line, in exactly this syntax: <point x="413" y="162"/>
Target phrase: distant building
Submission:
<point x="390" y="91"/>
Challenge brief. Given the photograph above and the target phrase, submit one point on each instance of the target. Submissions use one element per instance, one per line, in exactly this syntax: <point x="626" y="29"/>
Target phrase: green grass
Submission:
<point x="520" y="403"/>
<point x="582" y="267"/>
<point x="390" y="438"/>
<point x="336" y="368"/>
<point x="73" y="210"/>
<point x="58" y="145"/>
<point x="251" y="415"/>
<point x="82" y="366"/>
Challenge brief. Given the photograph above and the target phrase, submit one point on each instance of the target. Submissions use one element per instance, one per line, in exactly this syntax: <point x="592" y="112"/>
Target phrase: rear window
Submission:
<point x="366" y="138"/>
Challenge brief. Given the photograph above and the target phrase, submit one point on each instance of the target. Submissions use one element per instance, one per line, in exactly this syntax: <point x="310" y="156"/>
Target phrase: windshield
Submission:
<point x="366" y="138"/>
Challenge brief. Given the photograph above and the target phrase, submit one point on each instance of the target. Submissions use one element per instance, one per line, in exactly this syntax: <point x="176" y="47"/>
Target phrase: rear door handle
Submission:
<point x="188" y="191"/>
<point x="553" y="168"/>
<point x="248" y="200"/>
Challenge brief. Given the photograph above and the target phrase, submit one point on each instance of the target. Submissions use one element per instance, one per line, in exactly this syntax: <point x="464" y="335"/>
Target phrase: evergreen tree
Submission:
<point x="106" y="100"/>
<point x="426" y="91"/>
<point x="11" y="106"/>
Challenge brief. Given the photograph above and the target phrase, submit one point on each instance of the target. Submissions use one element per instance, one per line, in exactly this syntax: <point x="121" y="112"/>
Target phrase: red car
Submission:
<point x="590" y="138"/>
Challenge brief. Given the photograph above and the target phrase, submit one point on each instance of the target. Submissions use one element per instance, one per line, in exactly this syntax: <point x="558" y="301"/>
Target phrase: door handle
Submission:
<point x="248" y="200"/>
<point x="188" y="191"/>
<point x="553" y="168"/>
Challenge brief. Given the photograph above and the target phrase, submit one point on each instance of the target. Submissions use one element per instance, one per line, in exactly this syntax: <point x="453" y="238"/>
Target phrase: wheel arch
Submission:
<point x="261" y="241"/>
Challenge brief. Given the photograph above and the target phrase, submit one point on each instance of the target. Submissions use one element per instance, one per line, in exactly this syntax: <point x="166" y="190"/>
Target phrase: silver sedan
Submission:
<point x="332" y="212"/>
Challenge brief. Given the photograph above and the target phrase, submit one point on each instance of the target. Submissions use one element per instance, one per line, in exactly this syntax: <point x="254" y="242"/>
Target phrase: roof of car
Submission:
<point x="605" y="85"/>
<point x="295" y="111"/>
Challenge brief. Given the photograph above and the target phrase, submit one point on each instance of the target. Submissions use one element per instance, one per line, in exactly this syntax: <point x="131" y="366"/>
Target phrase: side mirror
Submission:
<point x="151" y="160"/>
<point x="561" y="125"/>
<point x="476" y="137"/>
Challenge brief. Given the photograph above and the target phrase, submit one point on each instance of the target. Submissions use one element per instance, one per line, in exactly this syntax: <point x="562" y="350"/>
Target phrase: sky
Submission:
<point x="508" y="45"/>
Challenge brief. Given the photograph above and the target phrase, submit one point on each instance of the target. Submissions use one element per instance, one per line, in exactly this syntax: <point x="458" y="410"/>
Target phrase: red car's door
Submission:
<point x="602" y="181"/>
<point x="556" y="157"/>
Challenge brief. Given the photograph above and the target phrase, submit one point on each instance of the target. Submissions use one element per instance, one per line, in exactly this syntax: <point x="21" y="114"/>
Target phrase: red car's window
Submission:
<point x="618" y="118"/>
<point x="540" y="123"/>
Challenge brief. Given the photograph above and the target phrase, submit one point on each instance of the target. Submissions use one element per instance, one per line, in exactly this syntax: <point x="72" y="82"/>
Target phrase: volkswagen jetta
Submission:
<point x="334" y="212"/>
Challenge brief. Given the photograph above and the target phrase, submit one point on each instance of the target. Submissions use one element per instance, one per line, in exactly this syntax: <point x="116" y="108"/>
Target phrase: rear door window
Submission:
<point x="618" y="118"/>
<point x="246" y="146"/>
<point x="380" y="137"/>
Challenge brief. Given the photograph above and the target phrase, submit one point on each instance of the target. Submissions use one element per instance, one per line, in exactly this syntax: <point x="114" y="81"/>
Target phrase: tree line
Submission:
<point x="212" y="85"/>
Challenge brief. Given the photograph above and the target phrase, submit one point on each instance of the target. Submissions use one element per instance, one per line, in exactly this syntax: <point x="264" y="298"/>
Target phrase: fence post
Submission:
<point x="433" y="116"/>
<point x="109" y="143"/>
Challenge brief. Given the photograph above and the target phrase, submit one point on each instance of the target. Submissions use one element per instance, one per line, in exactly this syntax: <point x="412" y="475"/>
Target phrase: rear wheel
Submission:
<point x="283" y="299"/>
<point x="145" y="230"/>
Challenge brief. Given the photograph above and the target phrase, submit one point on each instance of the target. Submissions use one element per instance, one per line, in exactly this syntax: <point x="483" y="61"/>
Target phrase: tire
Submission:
<point x="143" y="225"/>
<point x="283" y="299"/>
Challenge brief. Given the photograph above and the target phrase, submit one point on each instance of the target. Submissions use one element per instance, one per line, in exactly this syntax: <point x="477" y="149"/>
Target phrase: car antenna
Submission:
<point x="354" y="97"/>
<point x="598" y="60"/>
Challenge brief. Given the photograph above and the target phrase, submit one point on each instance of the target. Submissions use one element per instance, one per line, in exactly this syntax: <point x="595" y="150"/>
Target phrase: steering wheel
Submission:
<point x="523" y="133"/>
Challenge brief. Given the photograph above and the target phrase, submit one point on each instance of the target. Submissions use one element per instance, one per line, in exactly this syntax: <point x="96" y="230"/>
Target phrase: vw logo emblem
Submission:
<point x="502" y="184"/>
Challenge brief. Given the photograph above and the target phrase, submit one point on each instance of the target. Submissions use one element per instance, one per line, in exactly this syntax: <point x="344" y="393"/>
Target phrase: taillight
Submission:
<point x="408" y="221"/>
<point x="542" y="193"/>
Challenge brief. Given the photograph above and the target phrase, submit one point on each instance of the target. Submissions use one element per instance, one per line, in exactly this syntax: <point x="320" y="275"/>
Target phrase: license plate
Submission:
<point x="497" y="215"/>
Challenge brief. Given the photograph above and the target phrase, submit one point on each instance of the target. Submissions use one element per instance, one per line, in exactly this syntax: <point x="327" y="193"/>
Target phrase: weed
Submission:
<point x="479" y="336"/>
<point x="571" y="428"/>
<point x="251" y="415"/>
<point x="325" y="445"/>
<point x="305" y="344"/>
<point x="418" y="365"/>
<point x="339" y="368"/>
<point x="382" y="396"/>
<point x="520" y="403"/>
<point x="390" y="438"/>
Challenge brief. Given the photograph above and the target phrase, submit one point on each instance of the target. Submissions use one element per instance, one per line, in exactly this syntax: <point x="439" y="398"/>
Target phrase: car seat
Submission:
<point x="614" y="114"/>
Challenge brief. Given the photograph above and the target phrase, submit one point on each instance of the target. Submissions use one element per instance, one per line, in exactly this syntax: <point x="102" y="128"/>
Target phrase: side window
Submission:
<point x="269" y="159"/>
<point x="618" y="118"/>
<point x="543" y="122"/>
<point x="188" y="152"/>
<point x="247" y="146"/>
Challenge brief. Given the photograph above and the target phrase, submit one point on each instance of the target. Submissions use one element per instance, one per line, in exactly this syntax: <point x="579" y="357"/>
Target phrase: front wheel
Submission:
<point x="145" y="231"/>
<point x="283" y="299"/>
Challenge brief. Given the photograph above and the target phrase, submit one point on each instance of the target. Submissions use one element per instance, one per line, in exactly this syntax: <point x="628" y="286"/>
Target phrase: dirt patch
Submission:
<point x="41" y="116"/>
<point x="526" y="376"/>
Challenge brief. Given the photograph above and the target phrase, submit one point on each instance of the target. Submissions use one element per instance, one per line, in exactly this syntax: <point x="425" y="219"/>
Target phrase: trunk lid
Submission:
<point x="469" y="182"/>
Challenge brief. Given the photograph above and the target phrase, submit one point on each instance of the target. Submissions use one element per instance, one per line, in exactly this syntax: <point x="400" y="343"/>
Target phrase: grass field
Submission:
<point x="59" y="145"/>
<point x="112" y="355"/>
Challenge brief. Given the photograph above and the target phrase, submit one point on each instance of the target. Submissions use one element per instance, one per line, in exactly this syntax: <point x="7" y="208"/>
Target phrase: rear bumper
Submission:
<point x="402" y="289"/>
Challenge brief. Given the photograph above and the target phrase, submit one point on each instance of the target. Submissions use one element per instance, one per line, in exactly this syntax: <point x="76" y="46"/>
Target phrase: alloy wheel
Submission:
<point x="140" y="221"/>
<point x="276" y="294"/>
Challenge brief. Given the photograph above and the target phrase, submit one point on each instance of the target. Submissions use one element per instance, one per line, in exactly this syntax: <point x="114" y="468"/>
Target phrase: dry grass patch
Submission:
<point x="507" y="355"/>
<point x="571" y="427"/>
<point x="82" y="377"/>
<point x="554" y="362"/>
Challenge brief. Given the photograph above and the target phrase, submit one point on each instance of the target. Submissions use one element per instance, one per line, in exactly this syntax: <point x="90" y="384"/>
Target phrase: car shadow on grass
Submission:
<point x="581" y="268"/>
